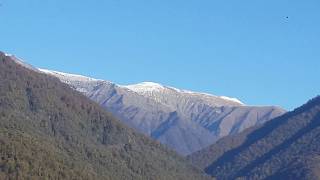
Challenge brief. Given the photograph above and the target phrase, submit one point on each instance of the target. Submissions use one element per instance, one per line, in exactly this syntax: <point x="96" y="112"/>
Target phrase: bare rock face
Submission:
<point x="183" y="120"/>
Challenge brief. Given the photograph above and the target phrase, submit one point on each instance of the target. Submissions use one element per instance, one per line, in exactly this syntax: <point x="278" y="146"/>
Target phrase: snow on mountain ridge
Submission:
<point x="183" y="120"/>
<point x="149" y="87"/>
<point x="145" y="86"/>
<point x="74" y="77"/>
<point x="231" y="99"/>
<point x="138" y="88"/>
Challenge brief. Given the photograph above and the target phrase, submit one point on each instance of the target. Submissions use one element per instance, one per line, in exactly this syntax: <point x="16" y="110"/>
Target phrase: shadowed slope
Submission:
<point x="199" y="119"/>
<point x="49" y="131"/>
<point x="287" y="147"/>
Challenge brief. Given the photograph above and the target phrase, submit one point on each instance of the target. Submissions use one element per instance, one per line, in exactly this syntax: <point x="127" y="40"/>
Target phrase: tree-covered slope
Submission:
<point x="49" y="131"/>
<point x="183" y="120"/>
<point x="287" y="147"/>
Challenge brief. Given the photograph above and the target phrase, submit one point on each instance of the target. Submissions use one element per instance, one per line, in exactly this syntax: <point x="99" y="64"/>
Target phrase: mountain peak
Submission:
<point x="64" y="135"/>
<point x="152" y="87"/>
<point x="183" y="120"/>
<point x="145" y="87"/>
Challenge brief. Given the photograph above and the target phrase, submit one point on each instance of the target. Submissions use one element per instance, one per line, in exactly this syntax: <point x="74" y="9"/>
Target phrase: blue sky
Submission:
<point x="262" y="52"/>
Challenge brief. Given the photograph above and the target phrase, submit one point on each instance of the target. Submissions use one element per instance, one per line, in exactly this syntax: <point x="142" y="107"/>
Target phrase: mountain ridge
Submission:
<point x="139" y="88"/>
<point x="286" y="147"/>
<point x="50" y="131"/>
<point x="199" y="119"/>
<point x="147" y="87"/>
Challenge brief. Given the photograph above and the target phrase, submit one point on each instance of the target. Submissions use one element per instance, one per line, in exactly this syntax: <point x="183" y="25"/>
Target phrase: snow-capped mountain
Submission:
<point x="164" y="94"/>
<point x="183" y="120"/>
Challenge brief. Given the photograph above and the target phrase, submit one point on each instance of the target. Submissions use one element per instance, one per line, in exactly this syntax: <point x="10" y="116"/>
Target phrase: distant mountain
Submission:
<point x="183" y="120"/>
<point x="287" y="147"/>
<point x="50" y="131"/>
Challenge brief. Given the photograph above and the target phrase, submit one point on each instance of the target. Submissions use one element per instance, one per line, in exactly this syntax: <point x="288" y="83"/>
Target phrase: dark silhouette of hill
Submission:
<point x="49" y="131"/>
<point x="287" y="147"/>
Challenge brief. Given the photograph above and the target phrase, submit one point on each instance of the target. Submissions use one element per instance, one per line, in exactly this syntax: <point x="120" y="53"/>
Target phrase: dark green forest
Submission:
<point x="287" y="147"/>
<point x="49" y="131"/>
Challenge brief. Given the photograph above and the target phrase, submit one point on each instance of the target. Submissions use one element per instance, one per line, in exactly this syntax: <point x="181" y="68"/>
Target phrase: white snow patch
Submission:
<point x="73" y="77"/>
<point x="232" y="99"/>
<point x="145" y="87"/>
<point x="207" y="94"/>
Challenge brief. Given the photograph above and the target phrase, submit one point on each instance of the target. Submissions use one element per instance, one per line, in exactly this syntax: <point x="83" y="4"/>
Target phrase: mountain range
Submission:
<point x="50" y="131"/>
<point x="183" y="120"/>
<point x="287" y="147"/>
<point x="56" y="125"/>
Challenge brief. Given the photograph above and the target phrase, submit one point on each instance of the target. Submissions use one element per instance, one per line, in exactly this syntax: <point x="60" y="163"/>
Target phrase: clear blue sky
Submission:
<point x="263" y="52"/>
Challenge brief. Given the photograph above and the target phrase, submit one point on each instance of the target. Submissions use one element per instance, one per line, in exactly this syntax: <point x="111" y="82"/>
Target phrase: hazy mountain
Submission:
<point x="185" y="121"/>
<point x="50" y="131"/>
<point x="287" y="147"/>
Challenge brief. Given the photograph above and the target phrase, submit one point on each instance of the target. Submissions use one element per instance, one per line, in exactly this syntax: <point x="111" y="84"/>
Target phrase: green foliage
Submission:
<point x="287" y="147"/>
<point x="49" y="131"/>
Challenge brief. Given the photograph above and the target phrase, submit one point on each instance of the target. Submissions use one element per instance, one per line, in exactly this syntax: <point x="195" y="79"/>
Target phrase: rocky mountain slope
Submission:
<point x="287" y="147"/>
<point x="183" y="120"/>
<point x="50" y="131"/>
